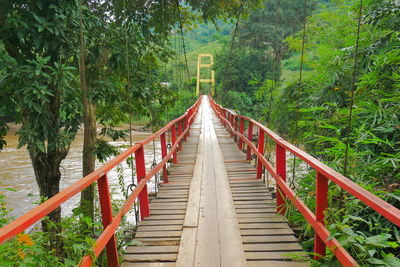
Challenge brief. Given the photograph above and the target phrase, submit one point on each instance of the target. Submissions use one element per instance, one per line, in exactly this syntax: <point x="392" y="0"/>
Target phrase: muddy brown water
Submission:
<point x="18" y="184"/>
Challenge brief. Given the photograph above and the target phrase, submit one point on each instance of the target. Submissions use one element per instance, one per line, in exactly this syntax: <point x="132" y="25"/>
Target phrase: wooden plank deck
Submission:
<point x="213" y="212"/>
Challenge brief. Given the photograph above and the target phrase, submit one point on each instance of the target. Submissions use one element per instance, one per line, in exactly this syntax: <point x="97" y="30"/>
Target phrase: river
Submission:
<point x="18" y="184"/>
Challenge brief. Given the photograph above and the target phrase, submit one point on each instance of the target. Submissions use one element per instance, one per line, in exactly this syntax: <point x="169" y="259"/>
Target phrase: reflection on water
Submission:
<point x="16" y="173"/>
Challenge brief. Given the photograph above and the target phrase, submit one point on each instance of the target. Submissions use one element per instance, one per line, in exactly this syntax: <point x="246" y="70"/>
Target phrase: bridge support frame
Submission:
<point x="201" y="65"/>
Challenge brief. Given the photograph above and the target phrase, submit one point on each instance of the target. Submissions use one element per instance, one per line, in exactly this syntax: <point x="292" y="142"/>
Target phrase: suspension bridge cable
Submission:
<point x="228" y="63"/>
<point x="176" y="60"/>
<point x="299" y="86"/>
<point x="183" y="40"/>
<point x="130" y="111"/>
<point x="353" y="89"/>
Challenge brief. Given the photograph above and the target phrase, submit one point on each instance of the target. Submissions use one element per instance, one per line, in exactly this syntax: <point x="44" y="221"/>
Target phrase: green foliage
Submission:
<point x="46" y="97"/>
<point x="33" y="249"/>
<point x="258" y="51"/>
<point x="315" y="112"/>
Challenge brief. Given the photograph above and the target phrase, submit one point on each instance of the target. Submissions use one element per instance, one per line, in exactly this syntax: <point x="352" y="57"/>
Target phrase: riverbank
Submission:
<point x="139" y="126"/>
<point x="16" y="170"/>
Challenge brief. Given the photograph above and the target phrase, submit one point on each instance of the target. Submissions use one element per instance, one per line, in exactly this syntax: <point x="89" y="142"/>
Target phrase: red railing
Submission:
<point x="235" y="125"/>
<point x="107" y="238"/>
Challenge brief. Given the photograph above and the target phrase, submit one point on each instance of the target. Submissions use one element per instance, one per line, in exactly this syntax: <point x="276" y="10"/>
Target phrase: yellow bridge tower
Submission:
<point x="201" y="65"/>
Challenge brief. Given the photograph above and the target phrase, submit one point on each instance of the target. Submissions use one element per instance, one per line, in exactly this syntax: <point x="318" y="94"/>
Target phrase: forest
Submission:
<point x="323" y="74"/>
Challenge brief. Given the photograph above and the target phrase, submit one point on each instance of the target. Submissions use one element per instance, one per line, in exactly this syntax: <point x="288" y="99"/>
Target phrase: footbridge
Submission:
<point x="212" y="207"/>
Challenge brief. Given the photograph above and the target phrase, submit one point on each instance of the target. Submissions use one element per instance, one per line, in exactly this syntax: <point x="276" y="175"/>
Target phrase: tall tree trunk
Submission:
<point x="89" y="125"/>
<point x="47" y="172"/>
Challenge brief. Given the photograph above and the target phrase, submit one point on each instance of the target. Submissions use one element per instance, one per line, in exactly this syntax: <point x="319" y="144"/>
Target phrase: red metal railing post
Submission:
<point x="173" y="138"/>
<point x="261" y="150"/>
<point x="163" y="155"/>
<point x="233" y="126"/>
<point x="187" y="125"/>
<point x="107" y="217"/>
<point x="241" y="129"/>
<point x="250" y="137"/>
<point x="320" y="207"/>
<point x="141" y="174"/>
<point x="179" y="134"/>
<point x="281" y="171"/>
<point x="224" y="115"/>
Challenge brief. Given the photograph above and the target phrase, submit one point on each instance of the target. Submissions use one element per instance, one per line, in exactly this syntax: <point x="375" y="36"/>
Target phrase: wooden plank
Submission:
<point x="165" y="212"/>
<point x="171" y="202"/>
<point x="193" y="206"/>
<point x="274" y="255"/>
<point x="268" y="239"/>
<point x="151" y="228"/>
<point x="187" y="252"/>
<point x="251" y="202"/>
<point x="207" y="244"/>
<point x="253" y="207"/>
<point x="263" y="225"/>
<point x="160" y="242"/>
<point x="187" y="248"/>
<point x="150" y="257"/>
<point x="151" y="249"/>
<point x="252" y="196"/>
<point x="158" y="234"/>
<point x="163" y="222"/>
<point x="164" y="217"/>
<point x="167" y="207"/>
<point x="250" y="190"/>
<point x="148" y="264"/>
<point x="232" y="252"/>
<point x="258" y="210"/>
<point x="273" y="247"/>
<point x="259" y="215"/>
<point x="277" y="264"/>
<point x="260" y="220"/>
<point x="249" y="232"/>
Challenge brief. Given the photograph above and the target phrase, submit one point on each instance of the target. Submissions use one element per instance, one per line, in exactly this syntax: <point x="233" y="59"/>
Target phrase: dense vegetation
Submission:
<point x="67" y="63"/>
<point x="126" y="59"/>
<point x="263" y="82"/>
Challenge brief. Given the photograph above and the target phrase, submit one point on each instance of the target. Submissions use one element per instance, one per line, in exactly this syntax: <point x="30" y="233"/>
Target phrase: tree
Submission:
<point x="258" y="52"/>
<point x="39" y="44"/>
<point x="267" y="28"/>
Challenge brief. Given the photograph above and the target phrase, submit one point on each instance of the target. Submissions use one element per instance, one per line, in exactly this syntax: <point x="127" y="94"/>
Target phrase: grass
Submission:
<point x="195" y="48"/>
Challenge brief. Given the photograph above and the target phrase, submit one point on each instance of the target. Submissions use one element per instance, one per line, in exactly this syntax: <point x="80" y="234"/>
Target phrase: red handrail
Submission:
<point x="110" y="223"/>
<point x="324" y="173"/>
